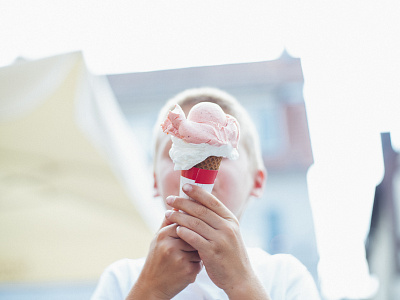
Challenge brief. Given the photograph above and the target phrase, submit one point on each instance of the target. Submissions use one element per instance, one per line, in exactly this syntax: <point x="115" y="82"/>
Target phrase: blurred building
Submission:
<point x="383" y="243"/>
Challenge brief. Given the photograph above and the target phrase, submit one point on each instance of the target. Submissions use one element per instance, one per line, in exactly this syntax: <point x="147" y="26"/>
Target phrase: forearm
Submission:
<point x="139" y="292"/>
<point x="250" y="290"/>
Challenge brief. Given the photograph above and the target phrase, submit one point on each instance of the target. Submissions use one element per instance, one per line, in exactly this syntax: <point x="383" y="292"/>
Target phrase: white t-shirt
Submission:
<point x="282" y="275"/>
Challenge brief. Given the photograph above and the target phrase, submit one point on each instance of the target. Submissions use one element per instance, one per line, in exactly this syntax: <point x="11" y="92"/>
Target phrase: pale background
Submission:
<point x="348" y="55"/>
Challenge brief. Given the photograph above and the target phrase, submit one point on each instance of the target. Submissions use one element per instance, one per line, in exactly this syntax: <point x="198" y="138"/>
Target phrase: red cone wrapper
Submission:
<point x="200" y="177"/>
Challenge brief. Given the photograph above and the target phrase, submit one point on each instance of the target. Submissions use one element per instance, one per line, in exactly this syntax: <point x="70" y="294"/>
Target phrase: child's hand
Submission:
<point x="170" y="266"/>
<point x="211" y="228"/>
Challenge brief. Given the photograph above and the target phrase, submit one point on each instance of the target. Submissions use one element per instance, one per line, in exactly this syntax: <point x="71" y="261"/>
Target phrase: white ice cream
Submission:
<point x="186" y="155"/>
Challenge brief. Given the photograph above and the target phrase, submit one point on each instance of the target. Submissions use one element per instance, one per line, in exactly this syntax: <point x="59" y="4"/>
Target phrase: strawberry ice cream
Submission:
<point x="207" y="131"/>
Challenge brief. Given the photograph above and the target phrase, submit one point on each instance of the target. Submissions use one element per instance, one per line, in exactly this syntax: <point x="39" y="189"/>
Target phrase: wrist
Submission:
<point x="139" y="294"/>
<point x="249" y="289"/>
<point x="142" y="291"/>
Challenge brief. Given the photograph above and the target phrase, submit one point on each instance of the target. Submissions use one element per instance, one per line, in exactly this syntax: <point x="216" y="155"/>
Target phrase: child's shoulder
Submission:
<point x="118" y="278"/>
<point x="282" y="262"/>
<point x="125" y="268"/>
<point x="283" y="274"/>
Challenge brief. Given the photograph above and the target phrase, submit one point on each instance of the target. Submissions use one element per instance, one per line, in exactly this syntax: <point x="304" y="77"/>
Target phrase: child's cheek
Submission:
<point x="171" y="183"/>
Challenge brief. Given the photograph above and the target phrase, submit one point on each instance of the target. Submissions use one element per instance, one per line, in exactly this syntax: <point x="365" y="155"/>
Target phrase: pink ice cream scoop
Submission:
<point x="206" y="123"/>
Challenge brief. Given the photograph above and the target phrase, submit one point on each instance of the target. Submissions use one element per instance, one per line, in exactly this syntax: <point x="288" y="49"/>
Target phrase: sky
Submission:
<point x="133" y="36"/>
<point x="119" y="36"/>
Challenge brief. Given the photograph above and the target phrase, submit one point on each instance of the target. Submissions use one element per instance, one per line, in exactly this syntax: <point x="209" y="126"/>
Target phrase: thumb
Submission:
<point x="165" y="223"/>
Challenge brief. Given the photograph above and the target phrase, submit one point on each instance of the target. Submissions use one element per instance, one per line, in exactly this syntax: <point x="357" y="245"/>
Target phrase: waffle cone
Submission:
<point x="210" y="163"/>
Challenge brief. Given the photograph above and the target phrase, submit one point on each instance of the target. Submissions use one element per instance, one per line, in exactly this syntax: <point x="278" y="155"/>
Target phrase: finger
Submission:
<point x="165" y="223"/>
<point x="183" y="246"/>
<point x="191" y="222"/>
<point x="195" y="209"/>
<point x="208" y="200"/>
<point x="193" y="238"/>
<point x="169" y="231"/>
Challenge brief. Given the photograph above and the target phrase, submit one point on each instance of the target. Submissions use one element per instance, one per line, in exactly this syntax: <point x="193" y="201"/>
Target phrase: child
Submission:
<point x="198" y="252"/>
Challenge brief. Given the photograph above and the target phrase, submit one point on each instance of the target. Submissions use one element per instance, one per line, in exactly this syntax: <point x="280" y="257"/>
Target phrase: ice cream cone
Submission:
<point x="210" y="163"/>
<point x="207" y="134"/>
<point x="203" y="174"/>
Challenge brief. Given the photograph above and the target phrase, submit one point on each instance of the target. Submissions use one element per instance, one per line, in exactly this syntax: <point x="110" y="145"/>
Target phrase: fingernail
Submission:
<point x="187" y="187"/>
<point x="168" y="213"/>
<point x="170" y="199"/>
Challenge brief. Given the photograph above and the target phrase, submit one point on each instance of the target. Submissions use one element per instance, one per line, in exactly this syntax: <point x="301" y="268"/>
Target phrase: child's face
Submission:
<point x="233" y="186"/>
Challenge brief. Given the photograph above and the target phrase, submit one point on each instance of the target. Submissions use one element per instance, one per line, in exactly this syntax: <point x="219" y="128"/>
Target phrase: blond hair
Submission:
<point x="249" y="138"/>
